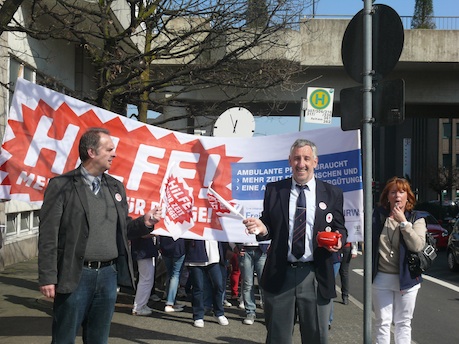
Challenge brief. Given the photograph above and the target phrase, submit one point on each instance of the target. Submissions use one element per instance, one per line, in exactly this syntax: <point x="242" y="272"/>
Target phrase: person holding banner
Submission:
<point x="144" y="251"/>
<point x="252" y="257"/>
<point x="173" y="253"/>
<point x="83" y="242"/>
<point x="203" y="258"/>
<point x="299" y="214"/>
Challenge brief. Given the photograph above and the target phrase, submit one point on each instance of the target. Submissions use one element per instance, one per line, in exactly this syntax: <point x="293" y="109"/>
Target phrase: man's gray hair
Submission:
<point x="303" y="142"/>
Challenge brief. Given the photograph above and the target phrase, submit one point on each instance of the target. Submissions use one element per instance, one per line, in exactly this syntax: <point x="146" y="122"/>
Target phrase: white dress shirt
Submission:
<point x="310" y="193"/>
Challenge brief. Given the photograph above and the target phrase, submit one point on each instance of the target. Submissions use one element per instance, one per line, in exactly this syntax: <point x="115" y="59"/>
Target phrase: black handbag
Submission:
<point x="420" y="262"/>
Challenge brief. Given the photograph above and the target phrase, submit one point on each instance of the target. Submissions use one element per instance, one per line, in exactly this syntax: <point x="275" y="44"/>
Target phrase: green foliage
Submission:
<point x="257" y="14"/>
<point x="423" y="15"/>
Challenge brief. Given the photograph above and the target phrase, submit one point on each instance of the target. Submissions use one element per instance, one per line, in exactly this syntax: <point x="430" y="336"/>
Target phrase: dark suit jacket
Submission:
<point x="275" y="216"/>
<point x="64" y="231"/>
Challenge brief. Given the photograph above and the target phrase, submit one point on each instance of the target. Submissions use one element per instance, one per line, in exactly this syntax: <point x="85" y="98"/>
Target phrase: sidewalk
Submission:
<point x="25" y="317"/>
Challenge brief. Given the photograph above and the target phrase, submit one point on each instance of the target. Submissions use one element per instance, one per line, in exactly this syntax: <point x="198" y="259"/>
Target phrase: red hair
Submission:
<point x="402" y="185"/>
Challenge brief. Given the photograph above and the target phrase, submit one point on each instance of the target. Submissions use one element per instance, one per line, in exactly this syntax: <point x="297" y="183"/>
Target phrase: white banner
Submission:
<point x="44" y="128"/>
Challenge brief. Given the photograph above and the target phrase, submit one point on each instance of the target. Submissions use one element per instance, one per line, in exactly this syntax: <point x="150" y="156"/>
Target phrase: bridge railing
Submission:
<point x="441" y="23"/>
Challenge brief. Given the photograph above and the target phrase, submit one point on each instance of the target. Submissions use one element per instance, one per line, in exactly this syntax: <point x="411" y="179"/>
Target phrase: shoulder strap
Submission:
<point x="414" y="216"/>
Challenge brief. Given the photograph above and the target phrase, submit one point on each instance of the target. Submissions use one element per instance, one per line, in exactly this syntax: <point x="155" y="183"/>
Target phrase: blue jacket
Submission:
<point x="143" y="248"/>
<point x="196" y="251"/>
<point x="172" y="248"/>
<point x="275" y="216"/>
<point x="406" y="280"/>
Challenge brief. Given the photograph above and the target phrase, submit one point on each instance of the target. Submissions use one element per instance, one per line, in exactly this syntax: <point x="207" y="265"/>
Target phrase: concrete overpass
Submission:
<point x="429" y="64"/>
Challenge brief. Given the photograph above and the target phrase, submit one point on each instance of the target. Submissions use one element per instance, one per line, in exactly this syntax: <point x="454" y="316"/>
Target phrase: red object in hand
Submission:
<point x="328" y="238"/>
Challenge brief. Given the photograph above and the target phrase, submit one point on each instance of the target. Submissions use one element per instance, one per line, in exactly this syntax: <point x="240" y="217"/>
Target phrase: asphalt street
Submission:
<point x="25" y="318"/>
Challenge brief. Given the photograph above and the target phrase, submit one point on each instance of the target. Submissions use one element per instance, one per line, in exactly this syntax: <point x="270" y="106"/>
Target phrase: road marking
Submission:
<point x="442" y="283"/>
<point x="426" y="277"/>
<point x="361" y="306"/>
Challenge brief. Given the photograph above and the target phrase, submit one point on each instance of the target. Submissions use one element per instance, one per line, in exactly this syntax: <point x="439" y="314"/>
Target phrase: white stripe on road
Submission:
<point x="442" y="283"/>
<point x="426" y="277"/>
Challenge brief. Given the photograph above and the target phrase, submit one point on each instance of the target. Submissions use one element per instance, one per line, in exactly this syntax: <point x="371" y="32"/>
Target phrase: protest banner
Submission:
<point x="41" y="141"/>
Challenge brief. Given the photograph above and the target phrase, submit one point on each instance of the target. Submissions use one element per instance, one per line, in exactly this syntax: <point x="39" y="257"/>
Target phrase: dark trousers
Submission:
<point x="344" y="270"/>
<point x="198" y="276"/>
<point x="91" y="306"/>
<point x="298" y="298"/>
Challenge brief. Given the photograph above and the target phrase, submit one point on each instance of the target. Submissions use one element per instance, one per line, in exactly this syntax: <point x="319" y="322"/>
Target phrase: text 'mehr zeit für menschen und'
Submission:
<point x="341" y="169"/>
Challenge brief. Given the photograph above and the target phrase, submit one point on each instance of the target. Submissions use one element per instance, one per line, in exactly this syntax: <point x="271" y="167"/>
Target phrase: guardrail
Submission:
<point x="441" y="23"/>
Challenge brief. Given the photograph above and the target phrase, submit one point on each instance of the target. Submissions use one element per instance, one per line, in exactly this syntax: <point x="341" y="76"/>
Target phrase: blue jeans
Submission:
<point x="174" y="268"/>
<point x="91" y="306"/>
<point x="208" y="288"/>
<point x="198" y="274"/>
<point x="252" y="261"/>
<point x="224" y="270"/>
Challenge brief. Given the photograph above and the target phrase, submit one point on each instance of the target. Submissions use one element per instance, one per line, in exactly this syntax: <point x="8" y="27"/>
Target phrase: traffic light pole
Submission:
<point x="367" y="127"/>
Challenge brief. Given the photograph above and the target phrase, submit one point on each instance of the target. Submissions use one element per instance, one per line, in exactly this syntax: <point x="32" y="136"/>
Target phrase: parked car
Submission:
<point x="452" y="250"/>
<point x="439" y="233"/>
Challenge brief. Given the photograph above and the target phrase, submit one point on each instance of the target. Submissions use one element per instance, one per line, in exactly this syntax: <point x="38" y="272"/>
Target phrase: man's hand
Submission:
<point x="48" y="290"/>
<point x="335" y="248"/>
<point x="255" y="226"/>
<point x="153" y="216"/>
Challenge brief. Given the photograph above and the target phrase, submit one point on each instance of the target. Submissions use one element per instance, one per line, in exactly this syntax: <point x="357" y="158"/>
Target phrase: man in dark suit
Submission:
<point x="298" y="281"/>
<point x="83" y="242"/>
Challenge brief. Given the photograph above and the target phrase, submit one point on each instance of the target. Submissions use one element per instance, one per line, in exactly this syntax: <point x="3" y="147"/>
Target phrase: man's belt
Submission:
<point x="93" y="264"/>
<point x="299" y="264"/>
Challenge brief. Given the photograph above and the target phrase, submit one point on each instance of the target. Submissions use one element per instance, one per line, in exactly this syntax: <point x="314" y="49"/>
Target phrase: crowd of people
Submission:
<point x="89" y="246"/>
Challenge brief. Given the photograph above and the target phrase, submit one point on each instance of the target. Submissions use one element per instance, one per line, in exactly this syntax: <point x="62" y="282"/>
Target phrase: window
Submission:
<point x="22" y="223"/>
<point x="457" y="130"/>
<point x="25" y="223"/>
<point x="35" y="219"/>
<point x="11" y="224"/>
<point x="447" y="130"/>
<point x="19" y="70"/>
<point x="446" y="160"/>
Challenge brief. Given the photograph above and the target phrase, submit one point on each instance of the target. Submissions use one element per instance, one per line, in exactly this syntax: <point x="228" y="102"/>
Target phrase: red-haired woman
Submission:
<point x="394" y="288"/>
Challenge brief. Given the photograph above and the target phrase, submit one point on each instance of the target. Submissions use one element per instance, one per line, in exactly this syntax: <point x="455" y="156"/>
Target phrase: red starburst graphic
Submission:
<point x="45" y="144"/>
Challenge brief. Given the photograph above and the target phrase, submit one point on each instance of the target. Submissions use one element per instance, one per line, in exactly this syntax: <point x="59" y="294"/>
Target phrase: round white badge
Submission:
<point x="118" y="197"/>
<point x="329" y="217"/>
<point x="322" y="205"/>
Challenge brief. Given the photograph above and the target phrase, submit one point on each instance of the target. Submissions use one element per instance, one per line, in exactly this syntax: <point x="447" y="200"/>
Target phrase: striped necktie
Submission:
<point x="299" y="225"/>
<point x="96" y="185"/>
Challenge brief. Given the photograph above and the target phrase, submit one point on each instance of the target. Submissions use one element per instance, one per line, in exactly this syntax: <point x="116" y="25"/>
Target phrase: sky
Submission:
<point x="402" y="7"/>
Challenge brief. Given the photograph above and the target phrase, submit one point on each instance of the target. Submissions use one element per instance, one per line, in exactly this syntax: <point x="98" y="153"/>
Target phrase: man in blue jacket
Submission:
<point x="298" y="278"/>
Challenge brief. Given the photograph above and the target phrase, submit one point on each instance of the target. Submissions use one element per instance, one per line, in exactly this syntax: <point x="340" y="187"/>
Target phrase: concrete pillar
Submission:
<point x="174" y="117"/>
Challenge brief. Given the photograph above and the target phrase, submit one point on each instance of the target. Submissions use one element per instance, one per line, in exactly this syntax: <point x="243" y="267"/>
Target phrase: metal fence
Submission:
<point x="441" y="23"/>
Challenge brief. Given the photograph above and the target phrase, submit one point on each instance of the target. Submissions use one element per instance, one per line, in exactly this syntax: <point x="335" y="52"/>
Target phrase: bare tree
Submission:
<point x="443" y="178"/>
<point x="423" y="13"/>
<point x="164" y="51"/>
<point x="7" y="11"/>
